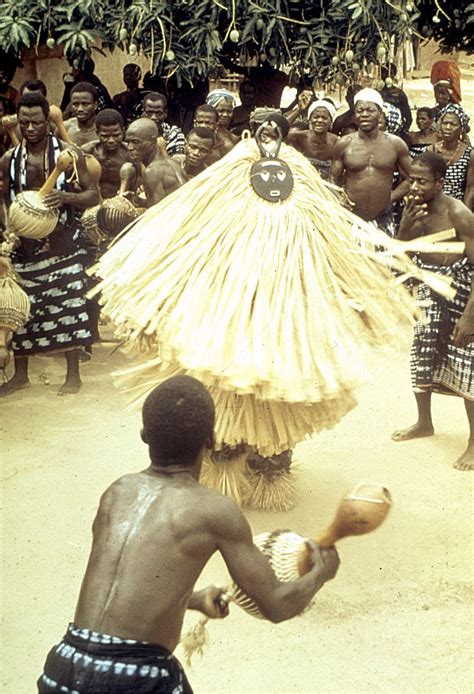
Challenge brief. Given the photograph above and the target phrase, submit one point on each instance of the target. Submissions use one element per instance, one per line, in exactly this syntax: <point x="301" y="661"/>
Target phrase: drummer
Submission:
<point x="128" y="622"/>
<point x="52" y="269"/>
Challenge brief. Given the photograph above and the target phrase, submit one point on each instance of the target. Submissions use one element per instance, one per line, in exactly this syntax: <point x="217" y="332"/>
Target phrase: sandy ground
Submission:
<point x="398" y="617"/>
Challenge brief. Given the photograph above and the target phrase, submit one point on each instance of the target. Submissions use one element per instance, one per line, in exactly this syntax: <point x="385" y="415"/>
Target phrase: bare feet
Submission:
<point x="466" y="461"/>
<point x="15" y="383"/>
<point x="417" y="431"/>
<point x="71" y="386"/>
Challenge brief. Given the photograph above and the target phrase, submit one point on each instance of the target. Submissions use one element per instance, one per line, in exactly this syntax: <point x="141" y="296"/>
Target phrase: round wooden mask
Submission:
<point x="272" y="179"/>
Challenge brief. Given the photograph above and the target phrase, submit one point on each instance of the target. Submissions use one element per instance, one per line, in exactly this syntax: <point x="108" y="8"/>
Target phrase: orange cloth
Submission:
<point x="449" y="71"/>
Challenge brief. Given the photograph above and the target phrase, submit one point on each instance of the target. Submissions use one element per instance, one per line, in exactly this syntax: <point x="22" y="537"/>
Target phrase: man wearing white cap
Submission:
<point x="365" y="161"/>
<point x="318" y="142"/>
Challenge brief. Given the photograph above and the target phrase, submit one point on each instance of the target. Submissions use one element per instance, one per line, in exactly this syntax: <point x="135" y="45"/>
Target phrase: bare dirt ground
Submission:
<point x="397" y="618"/>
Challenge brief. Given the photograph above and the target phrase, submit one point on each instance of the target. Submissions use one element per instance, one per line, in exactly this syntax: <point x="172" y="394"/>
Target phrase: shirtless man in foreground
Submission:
<point x="154" y="532"/>
<point x="160" y="176"/>
<point x="364" y="163"/>
<point x="442" y="356"/>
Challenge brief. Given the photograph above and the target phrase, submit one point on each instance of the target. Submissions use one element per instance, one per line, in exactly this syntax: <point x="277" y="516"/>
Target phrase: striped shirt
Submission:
<point x="174" y="138"/>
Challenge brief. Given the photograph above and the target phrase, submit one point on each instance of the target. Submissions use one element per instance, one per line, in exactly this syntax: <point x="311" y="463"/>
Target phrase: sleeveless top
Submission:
<point x="456" y="176"/>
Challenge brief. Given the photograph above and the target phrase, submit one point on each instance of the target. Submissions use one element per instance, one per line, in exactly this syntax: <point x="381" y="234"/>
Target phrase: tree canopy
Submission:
<point x="329" y="39"/>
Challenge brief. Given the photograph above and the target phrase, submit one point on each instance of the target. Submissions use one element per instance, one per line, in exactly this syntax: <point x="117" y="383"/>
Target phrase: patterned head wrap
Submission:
<point x="322" y="103"/>
<point x="217" y="95"/>
<point x="459" y="112"/>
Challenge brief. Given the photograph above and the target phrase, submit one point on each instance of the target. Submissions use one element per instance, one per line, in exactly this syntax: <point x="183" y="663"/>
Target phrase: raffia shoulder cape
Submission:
<point x="271" y="305"/>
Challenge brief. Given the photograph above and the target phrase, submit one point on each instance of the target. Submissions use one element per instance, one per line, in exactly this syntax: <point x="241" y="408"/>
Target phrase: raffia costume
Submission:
<point x="270" y="304"/>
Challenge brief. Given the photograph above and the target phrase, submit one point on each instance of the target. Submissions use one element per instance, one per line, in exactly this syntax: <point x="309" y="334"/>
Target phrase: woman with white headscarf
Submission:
<point x="318" y="142"/>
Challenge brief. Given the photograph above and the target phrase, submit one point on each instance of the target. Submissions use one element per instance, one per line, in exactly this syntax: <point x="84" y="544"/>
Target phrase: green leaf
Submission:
<point x="268" y="30"/>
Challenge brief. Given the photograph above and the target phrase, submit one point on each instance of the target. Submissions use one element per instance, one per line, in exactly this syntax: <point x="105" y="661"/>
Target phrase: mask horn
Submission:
<point x="269" y="151"/>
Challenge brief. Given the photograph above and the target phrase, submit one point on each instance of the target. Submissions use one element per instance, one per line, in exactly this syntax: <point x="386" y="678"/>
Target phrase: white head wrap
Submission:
<point x="371" y="95"/>
<point x="217" y="95"/>
<point x="321" y="103"/>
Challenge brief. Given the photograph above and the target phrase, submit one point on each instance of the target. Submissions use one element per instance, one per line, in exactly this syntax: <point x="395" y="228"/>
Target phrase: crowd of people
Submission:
<point x="128" y="148"/>
<point x="141" y="146"/>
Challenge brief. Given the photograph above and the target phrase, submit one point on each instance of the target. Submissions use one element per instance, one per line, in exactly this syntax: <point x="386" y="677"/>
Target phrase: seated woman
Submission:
<point x="318" y="142"/>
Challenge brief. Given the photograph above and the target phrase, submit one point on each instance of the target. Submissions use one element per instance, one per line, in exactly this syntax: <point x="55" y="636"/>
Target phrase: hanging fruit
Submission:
<point x="234" y="36"/>
<point x="381" y="53"/>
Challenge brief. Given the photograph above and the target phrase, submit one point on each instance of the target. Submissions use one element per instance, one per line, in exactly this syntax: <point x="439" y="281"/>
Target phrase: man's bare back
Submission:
<point x="160" y="178"/>
<point x="154" y="532"/>
<point x="146" y="555"/>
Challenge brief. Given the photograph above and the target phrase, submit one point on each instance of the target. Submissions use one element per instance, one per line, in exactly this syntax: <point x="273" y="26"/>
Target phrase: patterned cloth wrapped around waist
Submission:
<point x="88" y="661"/>
<point x="436" y="362"/>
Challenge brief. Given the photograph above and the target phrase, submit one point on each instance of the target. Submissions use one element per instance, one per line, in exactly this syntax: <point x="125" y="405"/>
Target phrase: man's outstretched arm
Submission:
<point x="251" y="570"/>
